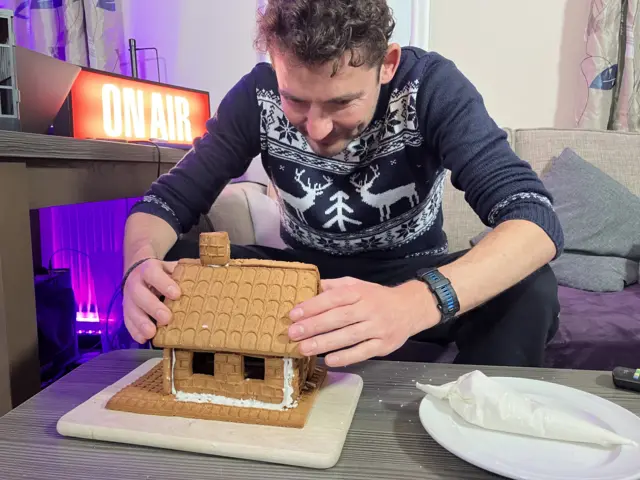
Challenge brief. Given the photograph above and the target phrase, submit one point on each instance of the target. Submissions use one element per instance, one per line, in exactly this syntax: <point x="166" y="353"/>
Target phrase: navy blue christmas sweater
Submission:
<point x="380" y="197"/>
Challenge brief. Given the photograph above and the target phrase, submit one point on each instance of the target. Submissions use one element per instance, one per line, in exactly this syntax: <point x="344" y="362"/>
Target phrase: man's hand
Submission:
<point x="140" y="298"/>
<point x="358" y="320"/>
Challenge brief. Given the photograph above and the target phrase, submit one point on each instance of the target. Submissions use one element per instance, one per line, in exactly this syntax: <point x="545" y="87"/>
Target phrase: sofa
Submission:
<point x="598" y="330"/>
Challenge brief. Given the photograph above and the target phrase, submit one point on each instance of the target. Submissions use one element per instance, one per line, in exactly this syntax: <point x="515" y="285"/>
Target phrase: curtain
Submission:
<point x="610" y="69"/>
<point x="84" y="32"/>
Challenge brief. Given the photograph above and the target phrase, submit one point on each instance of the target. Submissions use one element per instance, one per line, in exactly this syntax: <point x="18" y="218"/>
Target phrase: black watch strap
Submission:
<point x="441" y="287"/>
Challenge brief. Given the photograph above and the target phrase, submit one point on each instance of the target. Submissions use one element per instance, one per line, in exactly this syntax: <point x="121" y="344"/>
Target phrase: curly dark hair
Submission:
<point x="321" y="31"/>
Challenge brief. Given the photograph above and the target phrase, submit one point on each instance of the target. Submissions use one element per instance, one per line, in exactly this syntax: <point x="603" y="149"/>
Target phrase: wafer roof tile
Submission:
<point x="240" y="307"/>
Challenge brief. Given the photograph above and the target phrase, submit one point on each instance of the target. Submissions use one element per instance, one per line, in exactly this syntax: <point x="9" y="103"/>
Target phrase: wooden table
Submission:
<point x="386" y="439"/>
<point x="39" y="171"/>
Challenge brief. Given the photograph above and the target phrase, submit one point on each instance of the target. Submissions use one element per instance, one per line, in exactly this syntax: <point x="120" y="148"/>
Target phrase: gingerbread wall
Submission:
<point x="303" y="369"/>
<point x="228" y="379"/>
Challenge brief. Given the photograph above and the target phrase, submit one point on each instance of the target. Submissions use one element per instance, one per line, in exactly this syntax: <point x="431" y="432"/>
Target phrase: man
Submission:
<point x="356" y="134"/>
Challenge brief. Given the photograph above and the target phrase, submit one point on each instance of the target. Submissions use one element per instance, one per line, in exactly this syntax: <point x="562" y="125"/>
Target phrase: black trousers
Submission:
<point x="512" y="329"/>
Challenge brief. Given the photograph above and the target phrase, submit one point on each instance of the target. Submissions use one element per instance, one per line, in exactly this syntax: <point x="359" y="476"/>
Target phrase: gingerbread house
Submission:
<point x="226" y="351"/>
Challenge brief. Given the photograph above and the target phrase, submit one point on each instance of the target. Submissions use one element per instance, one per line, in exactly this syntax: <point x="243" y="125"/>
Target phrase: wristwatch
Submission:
<point x="442" y="289"/>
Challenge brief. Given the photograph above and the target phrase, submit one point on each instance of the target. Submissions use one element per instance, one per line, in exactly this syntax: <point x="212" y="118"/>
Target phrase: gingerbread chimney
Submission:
<point x="215" y="248"/>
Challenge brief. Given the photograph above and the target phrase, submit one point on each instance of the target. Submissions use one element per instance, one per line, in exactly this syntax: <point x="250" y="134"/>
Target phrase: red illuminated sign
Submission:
<point x="116" y="108"/>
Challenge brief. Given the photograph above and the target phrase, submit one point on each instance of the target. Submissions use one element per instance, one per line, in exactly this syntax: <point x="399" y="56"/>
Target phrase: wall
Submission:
<point x="214" y="64"/>
<point x="522" y="55"/>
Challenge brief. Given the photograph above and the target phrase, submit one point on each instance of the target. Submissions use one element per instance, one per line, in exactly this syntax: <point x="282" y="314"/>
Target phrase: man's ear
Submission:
<point x="390" y="63"/>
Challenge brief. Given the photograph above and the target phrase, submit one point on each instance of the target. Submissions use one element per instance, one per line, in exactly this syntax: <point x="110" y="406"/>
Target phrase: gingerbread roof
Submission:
<point x="242" y="306"/>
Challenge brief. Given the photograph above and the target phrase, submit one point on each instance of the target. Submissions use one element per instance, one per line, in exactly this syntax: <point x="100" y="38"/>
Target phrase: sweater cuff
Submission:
<point x="156" y="206"/>
<point x="535" y="208"/>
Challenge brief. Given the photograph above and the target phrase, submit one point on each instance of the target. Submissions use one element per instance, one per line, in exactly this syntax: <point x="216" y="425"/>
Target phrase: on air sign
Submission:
<point x="110" y="107"/>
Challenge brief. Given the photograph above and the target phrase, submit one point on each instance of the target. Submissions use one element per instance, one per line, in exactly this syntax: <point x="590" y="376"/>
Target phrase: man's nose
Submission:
<point x="318" y="125"/>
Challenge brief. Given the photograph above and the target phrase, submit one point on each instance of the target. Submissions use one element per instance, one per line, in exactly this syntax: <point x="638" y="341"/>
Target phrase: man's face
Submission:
<point x="330" y="111"/>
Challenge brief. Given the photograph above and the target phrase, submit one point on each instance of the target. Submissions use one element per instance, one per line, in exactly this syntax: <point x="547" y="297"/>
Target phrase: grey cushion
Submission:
<point x="599" y="215"/>
<point x="601" y="222"/>
<point x="595" y="273"/>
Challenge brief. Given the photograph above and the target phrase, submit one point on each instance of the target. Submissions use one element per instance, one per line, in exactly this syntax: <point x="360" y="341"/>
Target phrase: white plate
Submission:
<point x="527" y="458"/>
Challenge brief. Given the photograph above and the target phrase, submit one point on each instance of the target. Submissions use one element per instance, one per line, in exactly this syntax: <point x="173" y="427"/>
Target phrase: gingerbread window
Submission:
<point x="203" y="363"/>
<point x="254" y="368"/>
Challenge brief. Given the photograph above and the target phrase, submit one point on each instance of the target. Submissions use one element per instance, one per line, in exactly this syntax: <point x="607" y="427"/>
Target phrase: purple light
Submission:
<point x="89" y="332"/>
<point x="87" y="239"/>
<point x="87" y="318"/>
<point x="91" y="318"/>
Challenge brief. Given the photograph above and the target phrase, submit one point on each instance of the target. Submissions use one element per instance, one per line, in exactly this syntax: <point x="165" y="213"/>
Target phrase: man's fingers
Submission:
<point x="142" y="322"/>
<point x="335" y="340"/>
<point x="323" y="323"/>
<point x="359" y="353"/>
<point x="323" y="302"/>
<point x="149" y="303"/>
<point x="140" y="327"/>
<point x="133" y="331"/>
<point x="155" y="276"/>
<point x="141" y="301"/>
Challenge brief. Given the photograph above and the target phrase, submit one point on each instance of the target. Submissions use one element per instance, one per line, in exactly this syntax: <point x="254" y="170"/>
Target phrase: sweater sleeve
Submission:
<point x="224" y="152"/>
<point x="497" y="184"/>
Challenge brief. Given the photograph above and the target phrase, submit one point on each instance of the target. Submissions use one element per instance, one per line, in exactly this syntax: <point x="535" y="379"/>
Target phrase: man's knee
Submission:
<point x="540" y="291"/>
<point x="542" y="285"/>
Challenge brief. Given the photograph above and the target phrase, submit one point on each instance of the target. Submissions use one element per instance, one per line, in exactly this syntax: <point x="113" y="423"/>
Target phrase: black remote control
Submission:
<point x="627" y="378"/>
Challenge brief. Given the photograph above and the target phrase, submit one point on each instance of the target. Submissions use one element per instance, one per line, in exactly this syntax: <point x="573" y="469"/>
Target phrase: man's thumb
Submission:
<point x="169" y="267"/>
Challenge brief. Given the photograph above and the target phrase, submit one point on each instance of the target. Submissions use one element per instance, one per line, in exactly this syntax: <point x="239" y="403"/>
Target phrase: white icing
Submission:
<point x="287" y="390"/>
<point x="173" y="368"/>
